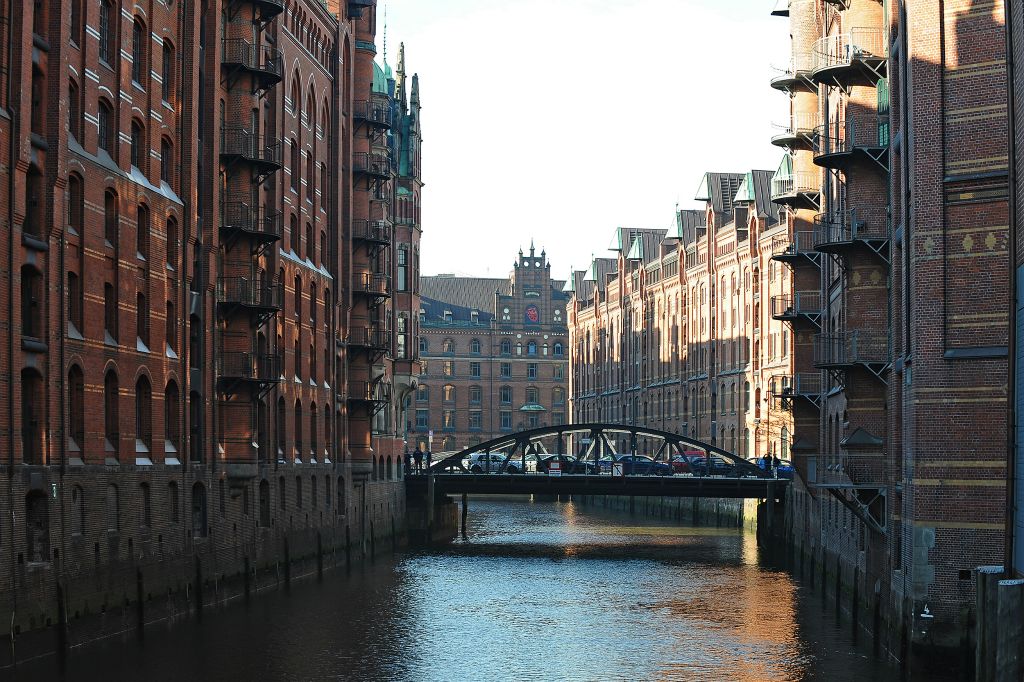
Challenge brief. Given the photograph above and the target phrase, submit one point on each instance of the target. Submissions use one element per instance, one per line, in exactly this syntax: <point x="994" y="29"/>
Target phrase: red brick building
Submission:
<point x="209" y="207"/>
<point x="495" y="356"/>
<point x="677" y="332"/>
<point x="898" y="210"/>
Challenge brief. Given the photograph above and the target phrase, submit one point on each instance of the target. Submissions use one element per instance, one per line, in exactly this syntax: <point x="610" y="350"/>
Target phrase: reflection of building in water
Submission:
<point x="494" y="355"/>
<point x="683" y="330"/>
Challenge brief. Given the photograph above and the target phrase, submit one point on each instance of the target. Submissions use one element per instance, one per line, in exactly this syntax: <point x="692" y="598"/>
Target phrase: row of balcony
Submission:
<point x="372" y="231"/>
<point x="377" y="112"/>
<point x="372" y="164"/>
<point x="264" y="63"/>
<point x="372" y="337"/>
<point x="856" y="57"/>
<point x="257" y="293"/>
<point x="834" y="232"/>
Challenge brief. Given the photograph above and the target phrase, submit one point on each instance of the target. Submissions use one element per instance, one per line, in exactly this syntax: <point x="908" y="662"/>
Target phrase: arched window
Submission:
<point x="264" y="503"/>
<point x="298" y="297"/>
<point x="138" y="152"/>
<point x="140" y="51"/>
<point x="166" y="161"/>
<point x="448" y="393"/>
<point x="31" y="302"/>
<point x="297" y="417"/>
<point x="110" y="218"/>
<point x="111" y="415"/>
<point x="448" y="346"/>
<point x="172" y="425"/>
<point x="76" y="409"/>
<point x="294" y="164"/>
<point x="76" y="203"/>
<point x="143" y="416"/>
<point x="142" y="230"/>
<point x="312" y="437"/>
<point x="37" y="527"/>
<point x="108" y="30"/>
<point x="167" y="72"/>
<point x="558" y="396"/>
<point x="74" y="107"/>
<point x="424" y="345"/>
<point x="33" y="222"/>
<point x="76" y="22"/>
<point x="142" y="319"/>
<point x="199" y="510"/>
<point x="506" y="347"/>
<point x="531" y="348"/>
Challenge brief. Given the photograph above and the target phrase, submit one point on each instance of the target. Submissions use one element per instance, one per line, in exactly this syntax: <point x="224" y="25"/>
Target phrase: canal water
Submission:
<point x="538" y="591"/>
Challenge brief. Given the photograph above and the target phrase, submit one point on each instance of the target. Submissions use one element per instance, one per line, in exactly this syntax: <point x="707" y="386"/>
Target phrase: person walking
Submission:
<point x="775" y="466"/>
<point x="418" y="458"/>
<point x="428" y="460"/>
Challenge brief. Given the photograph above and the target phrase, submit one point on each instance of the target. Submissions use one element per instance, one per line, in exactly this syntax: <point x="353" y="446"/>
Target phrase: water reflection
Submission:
<point x="546" y="591"/>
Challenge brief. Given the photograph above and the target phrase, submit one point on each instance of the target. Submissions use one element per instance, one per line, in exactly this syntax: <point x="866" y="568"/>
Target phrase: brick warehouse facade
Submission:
<point x="660" y="334"/>
<point x="494" y="356"/>
<point x="895" y="181"/>
<point x="213" y="231"/>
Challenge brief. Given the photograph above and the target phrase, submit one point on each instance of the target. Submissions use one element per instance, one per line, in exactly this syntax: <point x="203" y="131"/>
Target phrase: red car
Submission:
<point x="680" y="465"/>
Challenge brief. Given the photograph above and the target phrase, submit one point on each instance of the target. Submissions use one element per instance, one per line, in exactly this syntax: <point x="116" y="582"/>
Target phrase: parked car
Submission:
<point x="680" y="465"/>
<point x="477" y="462"/>
<point x="567" y="464"/>
<point x="784" y="469"/>
<point x="720" y="466"/>
<point x="637" y="465"/>
<point x="515" y="465"/>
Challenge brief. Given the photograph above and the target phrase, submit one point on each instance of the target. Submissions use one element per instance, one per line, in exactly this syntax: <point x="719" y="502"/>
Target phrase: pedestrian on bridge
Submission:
<point x="418" y="457"/>
<point x="775" y="466"/>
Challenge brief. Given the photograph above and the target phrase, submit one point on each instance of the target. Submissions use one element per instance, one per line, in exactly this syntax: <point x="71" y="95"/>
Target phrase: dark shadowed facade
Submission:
<point x="495" y="355"/>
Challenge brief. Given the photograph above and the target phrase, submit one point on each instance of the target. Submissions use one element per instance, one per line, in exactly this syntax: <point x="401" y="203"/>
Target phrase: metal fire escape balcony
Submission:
<point x="796" y="77"/>
<point x="374" y="285"/>
<point x="258" y="297"/>
<point x="799" y="189"/>
<point x="376" y="165"/>
<point x="799" y="133"/>
<point x="239" y="219"/>
<point x="796" y="249"/>
<point x="372" y="231"/>
<point x="265" y="10"/>
<point x="374" y="338"/>
<point x="857" y="57"/>
<point x="376" y="395"/>
<point x="376" y="111"/>
<point x="841" y="144"/>
<point x="238" y="145"/>
<point x="265" y="64"/>
<point x="851" y="350"/>
<point x="840" y="232"/>
<point x="237" y="371"/>
<point x="799" y="308"/>
<point x="858" y="481"/>
<point x="802" y="386"/>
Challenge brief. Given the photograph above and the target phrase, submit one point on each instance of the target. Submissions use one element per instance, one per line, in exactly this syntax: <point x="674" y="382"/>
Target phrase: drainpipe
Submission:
<point x="1011" y="340"/>
<point x="13" y="151"/>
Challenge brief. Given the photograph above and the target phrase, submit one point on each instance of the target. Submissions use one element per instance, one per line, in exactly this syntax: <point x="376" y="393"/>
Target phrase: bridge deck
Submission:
<point x="578" y="484"/>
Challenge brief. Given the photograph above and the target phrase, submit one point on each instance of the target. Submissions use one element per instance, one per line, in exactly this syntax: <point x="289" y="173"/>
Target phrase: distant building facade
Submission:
<point x="494" y="354"/>
<point x="675" y="330"/>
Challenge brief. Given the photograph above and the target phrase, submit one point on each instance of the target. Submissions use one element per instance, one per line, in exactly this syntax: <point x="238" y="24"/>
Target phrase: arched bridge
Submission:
<point x="598" y="459"/>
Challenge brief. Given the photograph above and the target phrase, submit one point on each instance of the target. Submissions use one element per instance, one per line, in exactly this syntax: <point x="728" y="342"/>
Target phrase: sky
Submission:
<point x="559" y="120"/>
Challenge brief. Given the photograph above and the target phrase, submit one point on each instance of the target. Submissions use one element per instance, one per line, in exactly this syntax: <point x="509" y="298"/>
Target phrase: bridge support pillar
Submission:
<point x="465" y="513"/>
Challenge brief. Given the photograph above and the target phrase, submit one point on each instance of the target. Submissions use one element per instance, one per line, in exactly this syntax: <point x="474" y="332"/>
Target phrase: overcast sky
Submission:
<point x="559" y="120"/>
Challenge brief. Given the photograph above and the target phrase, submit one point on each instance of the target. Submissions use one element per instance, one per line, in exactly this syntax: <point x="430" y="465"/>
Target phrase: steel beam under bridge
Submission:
<point x="578" y="484"/>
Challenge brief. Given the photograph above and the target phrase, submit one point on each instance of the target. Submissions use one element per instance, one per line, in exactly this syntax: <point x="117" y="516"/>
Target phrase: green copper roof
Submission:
<point x="704" y="191"/>
<point x="570" y="283"/>
<point x="380" y="81"/>
<point x="785" y="167"/>
<point x="745" y="193"/>
<point x="636" y="252"/>
<point x="616" y="243"/>
<point x="532" y="407"/>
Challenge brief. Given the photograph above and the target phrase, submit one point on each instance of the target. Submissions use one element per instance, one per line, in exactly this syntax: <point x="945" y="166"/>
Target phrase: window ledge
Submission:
<point x="33" y="242"/>
<point x="33" y="345"/>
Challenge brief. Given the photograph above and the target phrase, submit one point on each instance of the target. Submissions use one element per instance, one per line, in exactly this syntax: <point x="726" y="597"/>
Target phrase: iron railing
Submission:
<point x="237" y="141"/>
<point x="249" y="366"/>
<point x="801" y="124"/>
<point x="367" y="391"/>
<point x="376" y="110"/>
<point x="845" y="49"/>
<point x="254" y="220"/>
<point x="373" y="283"/>
<point x="868" y="470"/>
<point x="850" y="348"/>
<point x="378" y="231"/>
<point x="798" y="303"/>
<point x="802" y="242"/>
<point x="260" y="59"/>
<point x="843" y="137"/>
<point x="795" y="183"/>
<point x="252" y="293"/>
<point x="840" y="227"/>
<point x="372" y="336"/>
<point x="372" y="163"/>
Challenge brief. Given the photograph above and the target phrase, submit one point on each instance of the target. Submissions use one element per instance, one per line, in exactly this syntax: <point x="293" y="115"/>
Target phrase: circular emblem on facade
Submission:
<point x="532" y="314"/>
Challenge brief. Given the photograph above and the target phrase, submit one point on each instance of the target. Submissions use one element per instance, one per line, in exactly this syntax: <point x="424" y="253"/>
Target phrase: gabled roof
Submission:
<point x="598" y="271"/>
<point x="687" y="223"/>
<point x="861" y="438"/>
<point x="468" y="292"/>
<point x="761" y="181"/>
<point x="645" y="246"/>
<point x="719" y="189"/>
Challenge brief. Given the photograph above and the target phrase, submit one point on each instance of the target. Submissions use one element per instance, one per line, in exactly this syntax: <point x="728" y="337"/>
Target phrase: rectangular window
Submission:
<point x="506" y="420"/>
<point x="449" y="368"/>
<point x="531" y="370"/>
<point x="403" y="268"/>
<point x="110" y="311"/>
<point x="475" y="394"/>
<point x="167" y="73"/>
<point x="506" y="370"/>
<point x="474" y="370"/>
<point x="558" y="418"/>
<point x="448" y="420"/>
<point x="534" y="421"/>
<point x="476" y="420"/>
<point x="422" y="418"/>
<point x="559" y="372"/>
